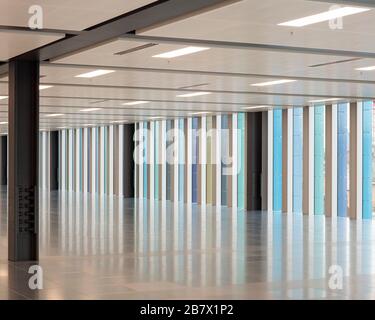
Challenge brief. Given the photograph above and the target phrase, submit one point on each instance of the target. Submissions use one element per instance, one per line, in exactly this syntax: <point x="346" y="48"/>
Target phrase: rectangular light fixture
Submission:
<point x="325" y="100"/>
<point x="3" y="97"/>
<point x="324" y="16"/>
<point x="94" y="74"/>
<point x="180" y="52"/>
<point x="134" y="103"/>
<point x="371" y="68"/>
<point x="199" y="113"/>
<point x="255" y="107"/>
<point x="43" y="86"/>
<point x="155" y="118"/>
<point x="62" y="128"/>
<point x="119" y="121"/>
<point x="4" y="122"/>
<point x="193" y="94"/>
<point x="90" y="109"/>
<point x="54" y="115"/>
<point x="272" y="83"/>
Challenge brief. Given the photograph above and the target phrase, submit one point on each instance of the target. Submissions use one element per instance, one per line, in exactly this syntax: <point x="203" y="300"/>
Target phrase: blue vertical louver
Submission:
<point x="81" y="160"/>
<point x="319" y="159"/>
<point x="106" y="153"/>
<point x="297" y="159"/>
<point x="89" y="159"/>
<point x="181" y="157"/>
<point x="241" y="161"/>
<point x="277" y="160"/>
<point x="145" y="171"/>
<point x="195" y="160"/>
<point x="342" y="159"/>
<point x="367" y="160"/>
<point x="169" y="166"/>
<point x="225" y="153"/>
<point x="156" y="160"/>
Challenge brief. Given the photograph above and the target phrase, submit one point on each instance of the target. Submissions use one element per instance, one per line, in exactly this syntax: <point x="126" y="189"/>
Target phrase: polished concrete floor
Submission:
<point x="99" y="247"/>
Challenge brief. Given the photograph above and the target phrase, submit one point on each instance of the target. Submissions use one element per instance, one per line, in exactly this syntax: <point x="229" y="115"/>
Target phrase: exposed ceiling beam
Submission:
<point x="239" y="92"/>
<point x="3" y="70"/>
<point x="4" y="28"/>
<point x="156" y="13"/>
<point x="207" y="73"/>
<point x="250" y="46"/>
<point x="151" y="100"/>
<point x="366" y="3"/>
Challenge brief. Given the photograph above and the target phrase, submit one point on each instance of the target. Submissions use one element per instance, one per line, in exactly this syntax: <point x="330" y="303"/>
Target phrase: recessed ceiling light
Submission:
<point x="324" y="16"/>
<point x="272" y="83"/>
<point x="256" y="107"/>
<point x="4" y="122"/>
<point x="94" y="74"/>
<point x="155" y="118"/>
<point x="199" y="113"/>
<point x="180" y="52"/>
<point x="371" y="68"/>
<point x="325" y="100"/>
<point x="193" y="94"/>
<point x="3" y="97"/>
<point x="43" y="86"/>
<point x="134" y="103"/>
<point x="119" y="121"/>
<point x="54" y="115"/>
<point x="89" y="125"/>
<point x="62" y="128"/>
<point x="90" y="109"/>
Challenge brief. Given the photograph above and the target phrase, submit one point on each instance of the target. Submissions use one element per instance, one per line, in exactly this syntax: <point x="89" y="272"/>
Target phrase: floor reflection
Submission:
<point x="99" y="247"/>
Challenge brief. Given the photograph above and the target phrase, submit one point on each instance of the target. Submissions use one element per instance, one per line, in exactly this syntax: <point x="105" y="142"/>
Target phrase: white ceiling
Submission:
<point x="74" y="15"/>
<point x="257" y="22"/>
<point x="227" y="73"/>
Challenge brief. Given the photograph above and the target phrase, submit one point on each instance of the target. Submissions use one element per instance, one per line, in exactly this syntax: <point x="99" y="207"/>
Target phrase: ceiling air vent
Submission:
<point x="99" y="101"/>
<point x="145" y="46"/>
<point x="334" y="62"/>
<point x="194" y="86"/>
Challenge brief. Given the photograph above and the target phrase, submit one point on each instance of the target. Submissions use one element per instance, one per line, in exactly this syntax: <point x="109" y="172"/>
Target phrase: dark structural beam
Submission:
<point x="23" y="160"/>
<point x="128" y="163"/>
<point x="3" y="160"/>
<point x="54" y="160"/>
<point x="254" y="160"/>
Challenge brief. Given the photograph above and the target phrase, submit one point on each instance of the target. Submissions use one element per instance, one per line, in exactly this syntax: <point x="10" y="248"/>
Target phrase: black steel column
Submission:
<point x="23" y="160"/>
<point x="54" y="160"/>
<point x="3" y="160"/>
<point x="128" y="162"/>
<point x="254" y="160"/>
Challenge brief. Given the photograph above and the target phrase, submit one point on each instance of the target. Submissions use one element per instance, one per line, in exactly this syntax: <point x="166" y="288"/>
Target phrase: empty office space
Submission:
<point x="187" y="149"/>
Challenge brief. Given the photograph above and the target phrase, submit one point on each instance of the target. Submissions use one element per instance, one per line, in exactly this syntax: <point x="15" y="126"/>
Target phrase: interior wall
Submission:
<point x="259" y="148"/>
